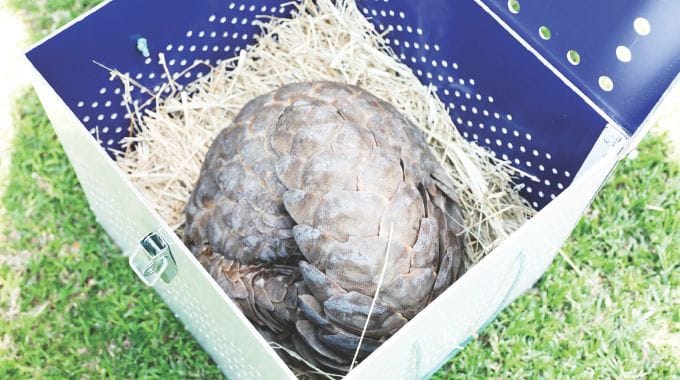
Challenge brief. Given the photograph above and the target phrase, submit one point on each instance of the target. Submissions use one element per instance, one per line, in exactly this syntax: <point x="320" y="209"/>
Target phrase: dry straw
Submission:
<point x="323" y="42"/>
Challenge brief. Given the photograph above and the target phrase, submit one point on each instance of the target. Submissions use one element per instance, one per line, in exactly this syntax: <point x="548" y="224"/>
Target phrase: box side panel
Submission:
<point x="498" y="94"/>
<point x="74" y="61"/>
<point x="444" y="326"/>
<point x="214" y="320"/>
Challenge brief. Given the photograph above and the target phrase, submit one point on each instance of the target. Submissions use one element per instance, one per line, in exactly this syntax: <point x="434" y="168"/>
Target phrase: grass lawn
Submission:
<point x="70" y="306"/>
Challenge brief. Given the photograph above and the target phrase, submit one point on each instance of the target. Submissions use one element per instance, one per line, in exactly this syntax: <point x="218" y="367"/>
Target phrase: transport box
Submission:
<point x="561" y="89"/>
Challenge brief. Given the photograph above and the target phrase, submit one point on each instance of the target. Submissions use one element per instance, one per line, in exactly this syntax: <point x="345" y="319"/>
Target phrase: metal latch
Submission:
<point x="153" y="260"/>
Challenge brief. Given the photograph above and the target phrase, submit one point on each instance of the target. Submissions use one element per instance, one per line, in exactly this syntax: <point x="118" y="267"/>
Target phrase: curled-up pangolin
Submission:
<point x="292" y="214"/>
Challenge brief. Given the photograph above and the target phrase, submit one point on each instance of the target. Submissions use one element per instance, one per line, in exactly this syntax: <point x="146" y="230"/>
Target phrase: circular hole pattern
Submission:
<point x="573" y="57"/>
<point x="642" y="26"/>
<point x="544" y="32"/>
<point x="513" y="6"/>
<point x="623" y="54"/>
<point x="606" y="83"/>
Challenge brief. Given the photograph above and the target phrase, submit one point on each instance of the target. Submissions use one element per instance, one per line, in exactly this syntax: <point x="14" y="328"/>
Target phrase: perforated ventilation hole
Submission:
<point x="623" y="54"/>
<point x="573" y="57"/>
<point x="642" y="26"/>
<point x="606" y="83"/>
<point x="544" y="32"/>
<point x="513" y="6"/>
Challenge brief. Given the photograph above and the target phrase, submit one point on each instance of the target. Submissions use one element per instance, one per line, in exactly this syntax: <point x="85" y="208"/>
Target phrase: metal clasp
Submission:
<point x="156" y="262"/>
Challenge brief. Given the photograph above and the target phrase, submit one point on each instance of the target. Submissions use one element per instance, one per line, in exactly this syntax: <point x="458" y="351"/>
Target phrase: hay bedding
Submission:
<point x="163" y="157"/>
<point x="168" y="143"/>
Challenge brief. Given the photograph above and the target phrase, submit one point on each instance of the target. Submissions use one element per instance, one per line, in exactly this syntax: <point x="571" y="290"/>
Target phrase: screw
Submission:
<point x="143" y="46"/>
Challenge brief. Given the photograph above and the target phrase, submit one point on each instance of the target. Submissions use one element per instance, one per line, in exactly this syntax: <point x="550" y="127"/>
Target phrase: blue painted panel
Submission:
<point x="184" y="31"/>
<point x="595" y="29"/>
<point x="498" y="93"/>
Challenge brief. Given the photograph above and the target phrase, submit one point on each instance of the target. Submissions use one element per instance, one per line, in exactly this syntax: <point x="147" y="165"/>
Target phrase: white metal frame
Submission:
<point x="232" y="341"/>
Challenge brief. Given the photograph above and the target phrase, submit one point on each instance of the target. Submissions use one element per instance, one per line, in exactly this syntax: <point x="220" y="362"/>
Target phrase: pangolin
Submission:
<point x="293" y="210"/>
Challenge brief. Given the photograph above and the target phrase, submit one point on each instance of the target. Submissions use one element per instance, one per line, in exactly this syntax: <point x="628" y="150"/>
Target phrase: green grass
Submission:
<point x="82" y="313"/>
